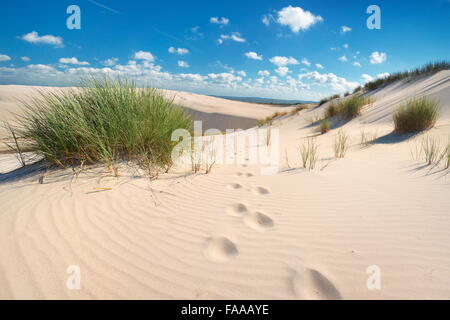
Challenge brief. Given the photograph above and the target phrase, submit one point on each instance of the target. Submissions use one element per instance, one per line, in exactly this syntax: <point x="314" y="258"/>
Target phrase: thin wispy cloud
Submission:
<point x="104" y="7"/>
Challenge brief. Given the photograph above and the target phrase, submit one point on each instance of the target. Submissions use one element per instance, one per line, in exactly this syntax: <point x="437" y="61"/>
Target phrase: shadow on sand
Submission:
<point x="27" y="171"/>
<point x="394" y="137"/>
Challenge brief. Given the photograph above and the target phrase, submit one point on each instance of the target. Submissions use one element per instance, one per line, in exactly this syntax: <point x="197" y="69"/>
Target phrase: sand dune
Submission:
<point x="235" y="233"/>
<point x="213" y="112"/>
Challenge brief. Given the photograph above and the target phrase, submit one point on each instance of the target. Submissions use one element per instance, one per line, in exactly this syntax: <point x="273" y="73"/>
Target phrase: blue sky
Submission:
<point x="275" y="49"/>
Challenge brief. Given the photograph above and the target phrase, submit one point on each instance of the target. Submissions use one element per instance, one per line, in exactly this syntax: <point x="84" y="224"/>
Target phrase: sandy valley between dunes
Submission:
<point x="234" y="233"/>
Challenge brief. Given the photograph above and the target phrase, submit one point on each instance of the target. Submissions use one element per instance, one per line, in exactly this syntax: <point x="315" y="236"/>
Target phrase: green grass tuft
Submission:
<point x="104" y="121"/>
<point x="416" y="115"/>
<point x="426" y="69"/>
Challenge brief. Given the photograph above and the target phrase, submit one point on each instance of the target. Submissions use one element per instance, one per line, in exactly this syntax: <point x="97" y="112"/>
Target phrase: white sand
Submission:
<point x="235" y="234"/>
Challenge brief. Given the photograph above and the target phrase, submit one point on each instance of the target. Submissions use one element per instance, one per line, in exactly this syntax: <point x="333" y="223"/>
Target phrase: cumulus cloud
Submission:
<point x="367" y="78"/>
<point x="345" y="29"/>
<point x="110" y="62"/>
<point x="253" y="55"/>
<point x="343" y="59"/>
<point x="357" y="64"/>
<point x="143" y="55"/>
<point x="74" y="61"/>
<point x="282" y="71"/>
<point x="33" y="37"/>
<point x="297" y="19"/>
<point x="228" y="83"/>
<point x="336" y="83"/>
<point x="234" y="36"/>
<point x="306" y="62"/>
<point x="4" y="57"/>
<point x="179" y="51"/>
<point x="345" y="46"/>
<point x="383" y="75"/>
<point x="378" y="57"/>
<point x="283" y="61"/>
<point x="222" y="21"/>
<point x="183" y="64"/>
<point x="26" y="59"/>
<point x="224" y="78"/>
<point x="319" y="66"/>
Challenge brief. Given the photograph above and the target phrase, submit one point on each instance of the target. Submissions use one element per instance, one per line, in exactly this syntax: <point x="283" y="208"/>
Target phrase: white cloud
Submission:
<point x="345" y="29"/>
<point x="283" y="61"/>
<point x="266" y="19"/>
<point x="222" y="21"/>
<point x="253" y="55"/>
<point x="143" y="55"/>
<point x="73" y="61"/>
<point x="366" y="77"/>
<point x="343" y="59"/>
<point x="357" y="64"/>
<point x="319" y="66"/>
<point x="234" y="36"/>
<point x="183" y="64"/>
<point x="143" y="71"/>
<point x="264" y="73"/>
<point x="297" y="19"/>
<point x="4" y="57"/>
<point x="179" y="51"/>
<point x="383" y="75"/>
<point x="345" y="46"/>
<point x="378" y="57"/>
<point x="191" y="77"/>
<point x="336" y="83"/>
<point x="282" y="71"/>
<point x="110" y="62"/>
<point x="33" y="37"/>
<point x="41" y="68"/>
<point x="26" y="59"/>
<point x="274" y="79"/>
<point x="223" y="78"/>
<point x="306" y="62"/>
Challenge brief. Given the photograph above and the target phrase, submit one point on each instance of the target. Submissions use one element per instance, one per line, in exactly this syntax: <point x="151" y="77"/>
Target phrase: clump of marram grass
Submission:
<point x="325" y="126"/>
<point x="308" y="154"/>
<point x="431" y="150"/>
<point x="331" y="110"/>
<point x="367" y="138"/>
<point x="429" y="68"/>
<point x="348" y="108"/>
<point x="330" y="98"/>
<point x="340" y="144"/>
<point x="105" y="121"/>
<point x="351" y="107"/>
<point x="416" y="115"/>
<point x="269" y="120"/>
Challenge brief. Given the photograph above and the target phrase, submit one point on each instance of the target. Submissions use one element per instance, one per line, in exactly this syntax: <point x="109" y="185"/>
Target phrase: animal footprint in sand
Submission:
<point x="260" y="191"/>
<point x="234" y="186"/>
<point x="258" y="221"/>
<point x="313" y="285"/>
<point x="221" y="249"/>
<point x="237" y="210"/>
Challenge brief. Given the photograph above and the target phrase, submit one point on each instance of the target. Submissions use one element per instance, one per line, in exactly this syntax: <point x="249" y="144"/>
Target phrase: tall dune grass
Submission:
<point x="416" y="115"/>
<point x="104" y="121"/>
<point x="429" y="68"/>
<point x="348" y="108"/>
